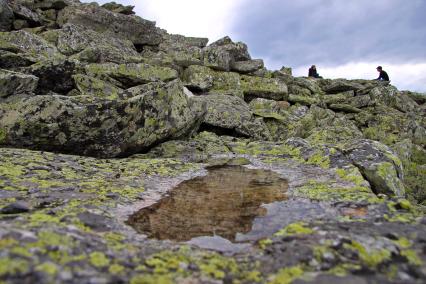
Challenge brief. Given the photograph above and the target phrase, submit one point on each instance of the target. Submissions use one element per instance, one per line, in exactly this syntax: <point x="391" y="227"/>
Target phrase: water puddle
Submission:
<point x="217" y="210"/>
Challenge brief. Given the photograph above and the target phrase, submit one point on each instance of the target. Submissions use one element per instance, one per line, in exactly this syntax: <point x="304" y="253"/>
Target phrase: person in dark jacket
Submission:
<point x="383" y="76"/>
<point x="313" y="72"/>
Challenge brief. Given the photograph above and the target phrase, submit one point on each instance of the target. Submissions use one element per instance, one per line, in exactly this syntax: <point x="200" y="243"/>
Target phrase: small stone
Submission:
<point x="15" y="208"/>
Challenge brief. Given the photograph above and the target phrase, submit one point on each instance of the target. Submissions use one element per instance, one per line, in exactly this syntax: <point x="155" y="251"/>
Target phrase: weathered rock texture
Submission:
<point x="141" y="110"/>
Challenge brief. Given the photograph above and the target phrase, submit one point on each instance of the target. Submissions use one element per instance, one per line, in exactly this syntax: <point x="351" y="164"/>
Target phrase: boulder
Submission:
<point x="31" y="46"/>
<point x="303" y="100"/>
<point x="73" y="39"/>
<point x="269" y="108"/>
<point x="91" y="16"/>
<point x="101" y="128"/>
<point x="15" y="208"/>
<point x="247" y="66"/>
<point x="132" y="74"/>
<point x="183" y="51"/>
<point x="6" y="16"/>
<point x="419" y="98"/>
<point x="342" y="85"/>
<point x="379" y="165"/>
<point x="118" y="8"/>
<point x="221" y="54"/>
<point x="268" y="88"/>
<point x="308" y="83"/>
<point x="344" y="108"/>
<point x="296" y="90"/>
<point x="13" y="61"/>
<point x="230" y="115"/>
<point x="52" y="4"/>
<point x="203" y="79"/>
<point x="25" y="13"/>
<point x="90" y="86"/>
<point x="13" y="83"/>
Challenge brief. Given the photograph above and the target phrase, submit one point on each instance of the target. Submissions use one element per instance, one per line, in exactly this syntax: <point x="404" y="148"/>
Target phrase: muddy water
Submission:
<point x="223" y="204"/>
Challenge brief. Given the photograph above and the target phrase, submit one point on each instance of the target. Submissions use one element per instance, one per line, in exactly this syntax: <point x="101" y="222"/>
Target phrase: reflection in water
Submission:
<point x="223" y="203"/>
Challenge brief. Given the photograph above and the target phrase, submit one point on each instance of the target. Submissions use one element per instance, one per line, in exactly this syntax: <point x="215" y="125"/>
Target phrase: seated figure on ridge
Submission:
<point x="313" y="72"/>
<point x="383" y="76"/>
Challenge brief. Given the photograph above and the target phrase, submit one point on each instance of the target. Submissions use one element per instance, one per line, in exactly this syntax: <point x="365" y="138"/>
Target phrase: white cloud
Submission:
<point x="410" y="76"/>
<point x="190" y="17"/>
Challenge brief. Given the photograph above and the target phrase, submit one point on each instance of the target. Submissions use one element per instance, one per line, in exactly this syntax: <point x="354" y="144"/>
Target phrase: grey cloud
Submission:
<point x="333" y="32"/>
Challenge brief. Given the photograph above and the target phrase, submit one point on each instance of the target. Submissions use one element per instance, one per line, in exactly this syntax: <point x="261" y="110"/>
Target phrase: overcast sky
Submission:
<point x="343" y="38"/>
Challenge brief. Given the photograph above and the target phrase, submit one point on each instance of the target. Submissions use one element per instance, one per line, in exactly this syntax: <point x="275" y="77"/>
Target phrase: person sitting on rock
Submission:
<point x="313" y="72"/>
<point x="383" y="75"/>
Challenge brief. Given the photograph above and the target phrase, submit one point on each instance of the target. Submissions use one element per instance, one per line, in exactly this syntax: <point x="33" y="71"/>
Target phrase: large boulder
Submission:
<point x="74" y="39"/>
<point x="183" y="51"/>
<point x="6" y="16"/>
<point x="21" y="11"/>
<point x="342" y="85"/>
<point x="247" y="66"/>
<point x="259" y="87"/>
<point x="221" y="54"/>
<point x="203" y="79"/>
<point x="13" y="83"/>
<point x="102" y="128"/>
<point x="132" y="74"/>
<point x="230" y="115"/>
<point x="91" y="16"/>
<point x="29" y="46"/>
<point x="379" y="165"/>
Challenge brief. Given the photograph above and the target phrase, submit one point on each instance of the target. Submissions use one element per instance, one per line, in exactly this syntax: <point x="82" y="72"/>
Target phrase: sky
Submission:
<point x="344" y="39"/>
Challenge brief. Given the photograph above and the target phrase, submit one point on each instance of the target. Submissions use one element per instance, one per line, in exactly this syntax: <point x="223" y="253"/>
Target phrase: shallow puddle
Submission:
<point x="224" y="204"/>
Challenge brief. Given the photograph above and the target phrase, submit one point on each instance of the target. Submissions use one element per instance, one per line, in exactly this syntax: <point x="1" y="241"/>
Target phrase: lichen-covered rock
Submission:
<point x="90" y="86"/>
<point x="132" y="74"/>
<point x="342" y="85"/>
<point x="308" y="83"/>
<point x="268" y="88"/>
<point x="183" y="51"/>
<point x="118" y="8"/>
<point x="73" y="39"/>
<point x="33" y="47"/>
<point x="203" y="79"/>
<point x="344" y="108"/>
<point x="247" y="66"/>
<point x="6" y="16"/>
<point x="133" y="28"/>
<point x="379" y="165"/>
<point x="13" y="83"/>
<point x="230" y="114"/>
<point x="102" y="128"/>
<point x="23" y="12"/>
<point x="295" y="99"/>
<point x="221" y="54"/>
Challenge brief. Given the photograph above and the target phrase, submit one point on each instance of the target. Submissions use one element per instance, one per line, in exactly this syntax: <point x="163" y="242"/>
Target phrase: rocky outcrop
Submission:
<point x="91" y="16"/>
<point x="100" y="128"/>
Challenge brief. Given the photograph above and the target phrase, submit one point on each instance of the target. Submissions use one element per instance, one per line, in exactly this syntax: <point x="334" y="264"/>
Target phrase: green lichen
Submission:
<point x="116" y="269"/>
<point x="287" y="275"/>
<point x="352" y="175"/>
<point x="412" y="257"/>
<point x="319" y="159"/>
<point x="3" y="136"/>
<point x="48" y="268"/>
<point x="14" y="266"/>
<point x="369" y="258"/>
<point x="299" y="228"/>
<point x="98" y="259"/>
<point x="329" y="192"/>
<point x="151" y="279"/>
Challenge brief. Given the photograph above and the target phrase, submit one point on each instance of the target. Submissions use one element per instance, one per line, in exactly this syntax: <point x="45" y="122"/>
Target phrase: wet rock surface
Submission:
<point x="145" y="113"/>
